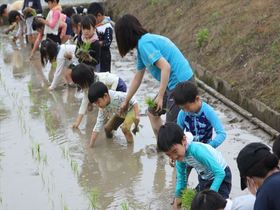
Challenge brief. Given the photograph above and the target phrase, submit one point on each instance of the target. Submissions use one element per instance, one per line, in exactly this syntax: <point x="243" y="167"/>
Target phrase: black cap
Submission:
<point x="249" y="156"/>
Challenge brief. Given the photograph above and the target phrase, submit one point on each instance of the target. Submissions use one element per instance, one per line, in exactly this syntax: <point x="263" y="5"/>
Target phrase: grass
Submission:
<point x="187" y="197"/>
<point x="93" y="197"/>
<point x="202" y="37"/>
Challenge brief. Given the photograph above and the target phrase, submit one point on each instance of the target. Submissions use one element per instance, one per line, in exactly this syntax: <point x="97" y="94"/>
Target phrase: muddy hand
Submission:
<point x="171" y="162"/>
<point x="159" y="102"/>
<point x="123" y="108"/>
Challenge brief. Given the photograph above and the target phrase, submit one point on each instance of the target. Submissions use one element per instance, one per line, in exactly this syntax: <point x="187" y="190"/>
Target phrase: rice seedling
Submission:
<point x="29" y="86"/>
<point x="65" y="152"/>
<point x="125" y="206"/>
<point x="93" y="197"/>
<point x="36" y="151"/>
<point x="150" y="102"/>
<point x="65" y="207"/>
<point x="74" y="167"/>
<point x="45" y="159"/>
<point x="187" y="197"/>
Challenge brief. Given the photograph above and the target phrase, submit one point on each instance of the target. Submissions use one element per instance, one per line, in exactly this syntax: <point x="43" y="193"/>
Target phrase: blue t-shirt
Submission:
<point x="267" y="197"/>
<point x="201" y="125"/>
<point x="152" y="47"/>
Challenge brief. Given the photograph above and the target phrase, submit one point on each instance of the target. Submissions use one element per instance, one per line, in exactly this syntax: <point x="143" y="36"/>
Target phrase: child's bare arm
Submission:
<point x="78" y="121"/>
<point x="93" y="138"/>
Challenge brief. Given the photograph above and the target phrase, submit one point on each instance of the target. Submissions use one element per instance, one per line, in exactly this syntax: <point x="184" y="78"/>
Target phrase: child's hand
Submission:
<point x="90" y="144"/>
<point x="171" y="162"/>
<point x="50" y="88"/>
<point x="177" y="203"/>
<point x="75" y="126"/>
<point x="15" y="39"/>
<point x="123" y="108"/>
<point x="68" y="55"/>
<point x="159" y="103"/>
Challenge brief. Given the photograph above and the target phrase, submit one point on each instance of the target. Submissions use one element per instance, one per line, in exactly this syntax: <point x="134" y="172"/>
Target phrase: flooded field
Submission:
<point x="44" y="164"/>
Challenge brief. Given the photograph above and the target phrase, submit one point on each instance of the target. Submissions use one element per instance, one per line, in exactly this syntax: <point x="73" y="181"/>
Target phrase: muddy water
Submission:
<point x="44" y="164"/>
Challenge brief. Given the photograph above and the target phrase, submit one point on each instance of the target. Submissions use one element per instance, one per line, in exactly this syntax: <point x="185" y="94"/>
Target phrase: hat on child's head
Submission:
<point x="248" y="157"/>
<point x="189" y="137"/>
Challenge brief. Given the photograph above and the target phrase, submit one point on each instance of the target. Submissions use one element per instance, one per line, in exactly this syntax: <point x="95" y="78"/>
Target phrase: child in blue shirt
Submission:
<point x="208" y="162"/>
<point x="196" y="116"/>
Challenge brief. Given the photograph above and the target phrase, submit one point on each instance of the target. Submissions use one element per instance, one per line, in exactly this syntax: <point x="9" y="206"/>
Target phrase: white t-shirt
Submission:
<point x="245" y="202"/>
<point x="62" y="62"/>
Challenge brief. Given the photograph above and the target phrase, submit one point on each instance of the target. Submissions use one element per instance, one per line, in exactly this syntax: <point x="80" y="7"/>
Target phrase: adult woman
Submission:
<point x="161" y="58"/>
<point x="259" y="172"/>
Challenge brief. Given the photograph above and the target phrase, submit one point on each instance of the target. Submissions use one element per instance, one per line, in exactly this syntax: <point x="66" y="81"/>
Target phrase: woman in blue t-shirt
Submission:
<point x="161" y="58"/>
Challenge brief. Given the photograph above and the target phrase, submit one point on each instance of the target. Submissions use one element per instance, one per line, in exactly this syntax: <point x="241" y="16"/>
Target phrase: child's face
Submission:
<point x="99" y="18"/>
<point x="177" y="151"/>
<point x="88" y="33"/>
<point x="51" y="4"/>
<point x="192" y="107"/>
<point x="103" y="102"/>
<point x="76" y="29"/>
<point x="5" y="13"/>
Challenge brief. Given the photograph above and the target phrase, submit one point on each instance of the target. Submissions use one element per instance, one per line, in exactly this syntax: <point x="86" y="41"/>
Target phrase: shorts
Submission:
<point x="225" y="187"/>
<point x="121" y="86"/>
<point x="168" y="107"/>
<point x="29" y="30"/>
<point x="129" y="120"/>
<point x="126" y="123"/>
<point x="55" y="38"/>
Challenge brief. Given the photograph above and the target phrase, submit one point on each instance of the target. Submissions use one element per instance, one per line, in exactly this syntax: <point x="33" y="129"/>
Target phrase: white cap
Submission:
<point x="189" y="137"/>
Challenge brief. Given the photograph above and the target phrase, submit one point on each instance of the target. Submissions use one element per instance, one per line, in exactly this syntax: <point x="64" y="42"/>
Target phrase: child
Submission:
<point x="161" y="57"/>
<point x="38" y="26"/>
<point x="76" y="26"/>
<point x="6" y="8"/>
<point x="16" y="18"/>
<point x="109" y="102"/>
<point x="208" y="162"/>
<point x="105" y="35"/>
<point x="59" y="56"/>
<point x="211" y="200"/>
<point x="84" y="75"/>
<point x="88" y="48"/>
<point x="30" y="9"/>
<point x="52" y="22"/>
<point x="196" y="116"/>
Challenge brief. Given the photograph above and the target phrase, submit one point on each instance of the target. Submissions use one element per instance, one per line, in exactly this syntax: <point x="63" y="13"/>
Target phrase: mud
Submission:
<point x="44" y="164"/>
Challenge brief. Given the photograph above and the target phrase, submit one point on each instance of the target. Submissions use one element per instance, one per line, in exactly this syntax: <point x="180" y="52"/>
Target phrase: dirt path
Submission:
<point x="44" y="164"/>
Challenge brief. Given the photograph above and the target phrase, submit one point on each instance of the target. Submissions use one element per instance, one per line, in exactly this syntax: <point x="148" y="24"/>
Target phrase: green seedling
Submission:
<point x="45" y="159"/>
<point x="125" y="206"/>
<point x="29" y="86"/>
<point x="75" y="167"/>
<point x="93" y="197"/>
<point x="151" y="103"/>
<point x="187" y="197"/>
<point x="36" y="152"/>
